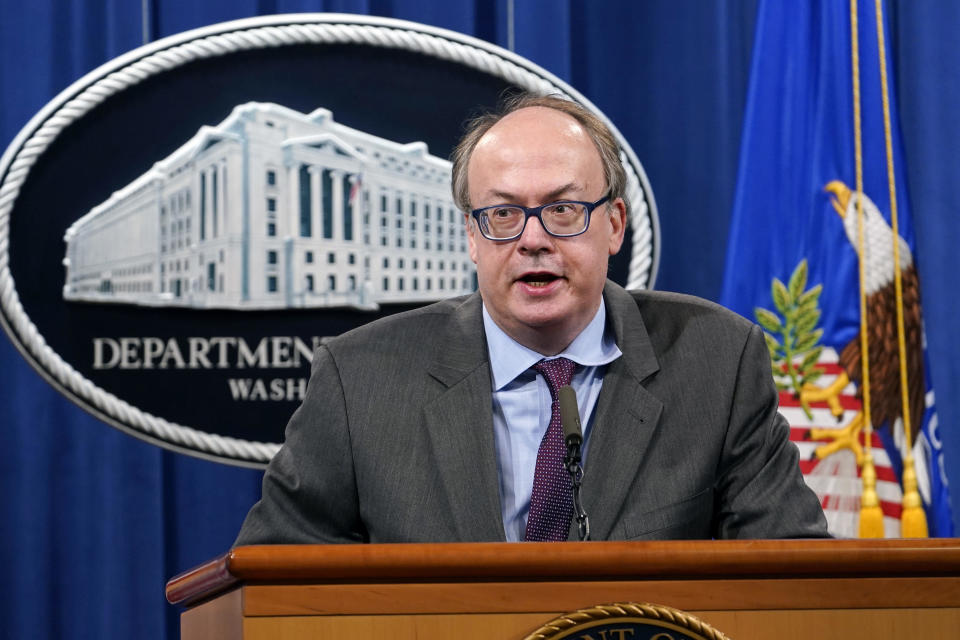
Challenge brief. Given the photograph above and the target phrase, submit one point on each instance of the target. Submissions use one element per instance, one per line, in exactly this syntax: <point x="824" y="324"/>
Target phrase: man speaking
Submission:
<point x="441" y="424"/>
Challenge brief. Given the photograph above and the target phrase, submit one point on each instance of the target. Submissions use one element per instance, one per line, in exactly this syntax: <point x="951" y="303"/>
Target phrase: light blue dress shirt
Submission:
<point x="521" y="407"/>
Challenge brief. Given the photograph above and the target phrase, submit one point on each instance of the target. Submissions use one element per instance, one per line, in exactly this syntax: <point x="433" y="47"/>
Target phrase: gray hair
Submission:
<point x="598" y="131"/>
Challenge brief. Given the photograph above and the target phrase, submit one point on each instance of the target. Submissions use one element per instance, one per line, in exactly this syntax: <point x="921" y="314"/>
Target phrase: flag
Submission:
<point x="822" y="182"/>
<point x="356" y="183"/>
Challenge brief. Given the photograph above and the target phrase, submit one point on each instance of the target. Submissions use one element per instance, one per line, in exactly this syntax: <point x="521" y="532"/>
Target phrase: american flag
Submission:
<point x="355" y="186"/>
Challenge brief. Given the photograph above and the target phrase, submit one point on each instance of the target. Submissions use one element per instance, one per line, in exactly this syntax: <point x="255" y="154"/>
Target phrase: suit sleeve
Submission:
<point x="309" y="488"/>
<point x="761" y="492"/>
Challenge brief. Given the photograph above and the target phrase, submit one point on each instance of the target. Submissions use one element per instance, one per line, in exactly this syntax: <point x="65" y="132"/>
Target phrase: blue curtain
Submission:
<point x="93" y="521"/>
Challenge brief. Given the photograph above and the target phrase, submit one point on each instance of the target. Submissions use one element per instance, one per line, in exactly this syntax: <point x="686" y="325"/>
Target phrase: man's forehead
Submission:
<point x="531" y="122"/>
<point x="532" y="135"/>
<point x="535" y="154"/>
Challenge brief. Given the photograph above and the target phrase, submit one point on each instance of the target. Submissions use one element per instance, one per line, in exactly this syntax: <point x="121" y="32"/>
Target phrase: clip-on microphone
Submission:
<point x="573" y="437"/>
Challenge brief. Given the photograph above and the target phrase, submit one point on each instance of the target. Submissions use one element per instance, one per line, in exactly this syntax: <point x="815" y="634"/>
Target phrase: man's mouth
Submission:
<point x="538" y="279"/>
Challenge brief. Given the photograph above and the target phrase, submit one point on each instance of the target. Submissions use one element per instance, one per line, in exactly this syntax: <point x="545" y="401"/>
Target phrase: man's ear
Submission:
<point x="471" y="225"/>
<point x="617" y="211"/>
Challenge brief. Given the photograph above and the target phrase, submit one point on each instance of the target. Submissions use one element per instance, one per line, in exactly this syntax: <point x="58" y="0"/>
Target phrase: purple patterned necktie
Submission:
<point x="551" y="504"/>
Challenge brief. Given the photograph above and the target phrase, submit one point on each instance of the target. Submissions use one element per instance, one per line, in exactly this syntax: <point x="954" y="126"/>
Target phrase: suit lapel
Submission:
<point x="460" y="427"/>
<point x="625" y="419"/>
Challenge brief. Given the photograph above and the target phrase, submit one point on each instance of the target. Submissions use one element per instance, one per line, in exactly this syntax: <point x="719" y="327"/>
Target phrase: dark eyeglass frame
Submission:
<point x="536" y="212"/>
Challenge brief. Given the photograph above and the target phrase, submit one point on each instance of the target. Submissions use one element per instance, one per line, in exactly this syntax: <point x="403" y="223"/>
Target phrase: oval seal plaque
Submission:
<point x="180" y="228"/>
<point x="627" y="621"/>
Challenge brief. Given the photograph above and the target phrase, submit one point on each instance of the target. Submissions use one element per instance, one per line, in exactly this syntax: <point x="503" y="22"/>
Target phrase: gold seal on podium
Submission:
<point x="627" y="621"/>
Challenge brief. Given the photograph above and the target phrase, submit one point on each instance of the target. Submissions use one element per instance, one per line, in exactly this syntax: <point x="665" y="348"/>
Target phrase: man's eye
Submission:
<point x="502" y="214"/>
<point x="562" y="208"/>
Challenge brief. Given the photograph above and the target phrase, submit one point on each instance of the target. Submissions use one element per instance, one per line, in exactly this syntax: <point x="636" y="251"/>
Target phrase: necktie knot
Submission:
<point x="557" y="372"/>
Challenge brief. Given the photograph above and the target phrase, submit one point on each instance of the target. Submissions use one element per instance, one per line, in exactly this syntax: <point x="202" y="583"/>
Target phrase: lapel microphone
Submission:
<point x="573" y="438"/>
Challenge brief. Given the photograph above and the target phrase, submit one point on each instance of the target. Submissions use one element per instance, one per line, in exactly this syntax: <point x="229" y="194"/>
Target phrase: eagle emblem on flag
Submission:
<point x="828" y="420"/>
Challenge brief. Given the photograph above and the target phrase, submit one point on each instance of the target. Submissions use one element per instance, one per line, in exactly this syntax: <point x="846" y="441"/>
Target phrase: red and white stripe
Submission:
<point x="836" y="479"/>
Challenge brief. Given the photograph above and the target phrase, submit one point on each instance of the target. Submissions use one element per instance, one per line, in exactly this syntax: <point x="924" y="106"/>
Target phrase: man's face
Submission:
<point x="542" y="290"/>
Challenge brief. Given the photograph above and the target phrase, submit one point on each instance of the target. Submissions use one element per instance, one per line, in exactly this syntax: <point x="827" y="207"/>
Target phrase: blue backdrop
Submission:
<point x="93" y="522"/>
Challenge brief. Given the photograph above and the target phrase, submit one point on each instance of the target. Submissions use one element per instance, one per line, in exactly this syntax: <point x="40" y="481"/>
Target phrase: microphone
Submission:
<point x="570" y="417"/>
<point x="573" y="438"/>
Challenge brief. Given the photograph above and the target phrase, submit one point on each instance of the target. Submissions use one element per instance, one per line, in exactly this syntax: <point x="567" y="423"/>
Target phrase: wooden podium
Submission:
<point x="769" y="589"/>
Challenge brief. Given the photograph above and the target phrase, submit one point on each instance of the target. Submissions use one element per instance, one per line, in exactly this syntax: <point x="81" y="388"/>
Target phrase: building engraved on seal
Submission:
<point x="273" y="208"/>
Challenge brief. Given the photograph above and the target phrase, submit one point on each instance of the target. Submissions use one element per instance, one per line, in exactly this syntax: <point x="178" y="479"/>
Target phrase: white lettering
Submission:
<point x="239" y="389"/>
<point x="152" y="349"/>
<point x="281" y="352"/>
<point x="172" y="352"/>
<point x="296" y="389"/>
<point x="220" y="352"/>
<point x="933" y="428"/>
<point x="198" y="353"/>
<point x="221" y="344"/>
<point x="247" y="358"/>
<point x="129" y="348"/>
<point x="259" y="390"/>
<point x="276" y="390"/>
<point x="301" y="350"/>
<point x="98" y="360"/>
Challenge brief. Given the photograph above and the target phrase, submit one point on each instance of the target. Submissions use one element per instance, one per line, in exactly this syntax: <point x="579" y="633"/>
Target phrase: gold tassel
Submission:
<point x="871" y="516"/>
<point x="913" y="521"/>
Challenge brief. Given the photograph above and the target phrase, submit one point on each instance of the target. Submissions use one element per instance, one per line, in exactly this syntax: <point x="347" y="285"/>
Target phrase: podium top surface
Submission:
<point x="675" y="560"/>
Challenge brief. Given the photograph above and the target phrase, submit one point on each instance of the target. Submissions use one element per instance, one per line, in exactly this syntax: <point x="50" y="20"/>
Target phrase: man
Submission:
<point x="440" y="425"/>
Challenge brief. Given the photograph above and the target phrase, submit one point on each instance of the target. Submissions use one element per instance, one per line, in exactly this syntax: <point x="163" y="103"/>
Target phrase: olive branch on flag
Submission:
<point x="791" y="336"/>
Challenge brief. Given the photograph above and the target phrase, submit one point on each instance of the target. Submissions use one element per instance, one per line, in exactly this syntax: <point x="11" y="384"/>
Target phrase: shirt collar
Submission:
<point x="594" y="346"/>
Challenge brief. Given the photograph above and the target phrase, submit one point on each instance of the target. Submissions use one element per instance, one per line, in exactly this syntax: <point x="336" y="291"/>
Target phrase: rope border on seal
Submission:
<point x="251" y="34"/>
<point x="617" y="610"/>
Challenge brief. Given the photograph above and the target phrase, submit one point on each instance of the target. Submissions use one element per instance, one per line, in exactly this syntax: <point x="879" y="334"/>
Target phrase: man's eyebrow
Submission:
<point x="558" y="193"/>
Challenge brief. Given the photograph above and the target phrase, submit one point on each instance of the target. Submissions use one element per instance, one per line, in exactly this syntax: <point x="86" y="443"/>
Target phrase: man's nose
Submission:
<point x="534" y="236"/>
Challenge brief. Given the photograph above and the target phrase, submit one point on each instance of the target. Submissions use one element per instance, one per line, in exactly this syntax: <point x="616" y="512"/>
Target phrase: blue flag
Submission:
<point x="811" y="135"/>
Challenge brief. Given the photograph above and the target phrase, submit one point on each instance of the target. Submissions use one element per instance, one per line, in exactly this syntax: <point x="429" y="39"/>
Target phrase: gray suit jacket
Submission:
<point x="394" y="440"/>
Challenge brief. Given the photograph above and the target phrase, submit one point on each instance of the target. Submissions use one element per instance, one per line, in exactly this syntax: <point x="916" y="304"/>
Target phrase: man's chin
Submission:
<point x="546" y="318"/>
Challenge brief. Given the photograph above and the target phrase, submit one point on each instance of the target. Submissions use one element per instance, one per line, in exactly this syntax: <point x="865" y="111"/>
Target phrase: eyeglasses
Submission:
<point x="561" y="219"/>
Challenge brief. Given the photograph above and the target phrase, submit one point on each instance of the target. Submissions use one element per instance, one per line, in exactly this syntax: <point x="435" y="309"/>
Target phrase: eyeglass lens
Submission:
<point x="559" y="218"/>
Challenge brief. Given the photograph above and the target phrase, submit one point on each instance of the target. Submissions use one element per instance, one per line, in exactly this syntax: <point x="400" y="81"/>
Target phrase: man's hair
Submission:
<point x="598" y="131"/>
